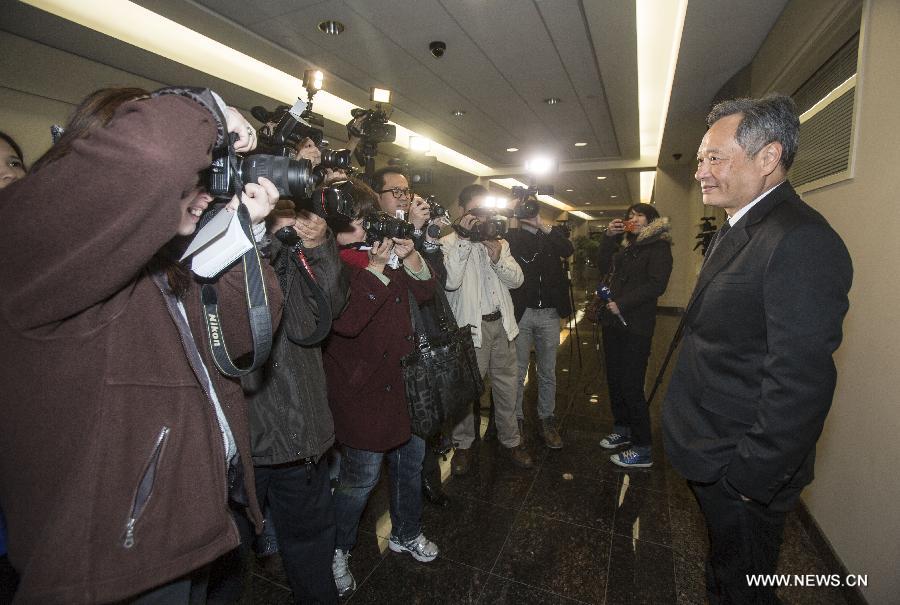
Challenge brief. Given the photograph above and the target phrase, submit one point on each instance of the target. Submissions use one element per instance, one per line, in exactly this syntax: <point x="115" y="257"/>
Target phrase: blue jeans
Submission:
<point x="538" y="327"/>
<point x="360" y="470"/>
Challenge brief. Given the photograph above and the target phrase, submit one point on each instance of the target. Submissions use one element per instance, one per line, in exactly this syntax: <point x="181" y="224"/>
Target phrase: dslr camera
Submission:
<point x="293" y="178"/>
<point x="526" y="204"/>
<point x="379" y="225"/>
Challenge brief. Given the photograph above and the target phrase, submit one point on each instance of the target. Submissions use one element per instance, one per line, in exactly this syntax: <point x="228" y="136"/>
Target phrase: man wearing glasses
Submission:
<point x="394" y="194"/>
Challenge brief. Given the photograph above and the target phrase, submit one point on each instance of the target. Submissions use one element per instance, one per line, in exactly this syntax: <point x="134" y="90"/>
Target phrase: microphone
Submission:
<point x="606" y="295"/>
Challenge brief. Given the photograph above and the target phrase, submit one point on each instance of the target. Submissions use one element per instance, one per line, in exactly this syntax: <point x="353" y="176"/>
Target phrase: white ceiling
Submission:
<point x="503" y="58"/>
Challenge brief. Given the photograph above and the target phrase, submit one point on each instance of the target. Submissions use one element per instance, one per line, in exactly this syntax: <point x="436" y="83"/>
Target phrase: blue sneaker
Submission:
<point x="614" y="440"/>
<point x="631" y="459"/>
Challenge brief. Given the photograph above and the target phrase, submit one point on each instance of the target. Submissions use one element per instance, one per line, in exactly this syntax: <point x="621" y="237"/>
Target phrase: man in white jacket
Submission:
<point x="479" y="277"/>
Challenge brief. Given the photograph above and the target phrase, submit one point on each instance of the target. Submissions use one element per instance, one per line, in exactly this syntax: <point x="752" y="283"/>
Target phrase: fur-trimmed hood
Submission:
<point x="657" y="230"/>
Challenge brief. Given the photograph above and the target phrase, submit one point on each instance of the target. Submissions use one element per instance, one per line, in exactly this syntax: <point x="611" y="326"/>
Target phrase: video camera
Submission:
<point x="291" y="125"/>
<point x="374" y="127"/>
<point x="490" y="225"/>
<point x="526" y="204"/>
<point x="418" y="172"/>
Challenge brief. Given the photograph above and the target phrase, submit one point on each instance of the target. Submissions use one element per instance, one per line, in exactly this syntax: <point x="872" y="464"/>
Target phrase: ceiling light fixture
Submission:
<point x="420" y="144"/>
<point x="570" y="190"/>
<point x="332" y="28"/>
<point x="540" y="165"/>
<point x="459" y="113"/>
<point x="380" y="95"/>
<point x="166" y="38"/>
<point x="512" y="149"/>
<point x="553" y="101"/>
<point x="580" y="144"/>
<point x="600" y="178"/>
<point x="612" y="197"/>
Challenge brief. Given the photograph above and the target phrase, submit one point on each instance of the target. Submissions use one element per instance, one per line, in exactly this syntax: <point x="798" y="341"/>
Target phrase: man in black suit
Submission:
<point x="755" y="377"/>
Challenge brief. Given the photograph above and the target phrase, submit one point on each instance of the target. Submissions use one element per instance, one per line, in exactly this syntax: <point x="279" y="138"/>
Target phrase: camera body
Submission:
<point x="293" y="178"/>
<point x="334" y="201"/>
<point x="435" y="209"/>
<point x="526" y="203"/>
<point x="374" y="128"/>
<point x="489" y="226"/>
<point x="379" y="225"/>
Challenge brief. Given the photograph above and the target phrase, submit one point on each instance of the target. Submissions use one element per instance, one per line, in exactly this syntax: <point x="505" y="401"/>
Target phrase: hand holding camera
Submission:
<point x="236" y="123"/>
<point x="379" y="254"/>
<point x="260" y="199"/>
<point x="493" y="246"/>
<point x="419" y="212"/>
<point x="311" y="228"/>
<point x="617" y="227"/>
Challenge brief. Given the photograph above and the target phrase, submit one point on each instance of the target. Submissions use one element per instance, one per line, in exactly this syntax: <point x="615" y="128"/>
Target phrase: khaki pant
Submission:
<point x="496" y="359"/>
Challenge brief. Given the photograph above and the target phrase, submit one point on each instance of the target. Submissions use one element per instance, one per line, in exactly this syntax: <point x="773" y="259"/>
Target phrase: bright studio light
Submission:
<point x="492" y="201"/>
<point x="540" y="165"/>
<point x="380" y="95"/>
<point x="419" y="144"/>
<point x="312" y="79"/>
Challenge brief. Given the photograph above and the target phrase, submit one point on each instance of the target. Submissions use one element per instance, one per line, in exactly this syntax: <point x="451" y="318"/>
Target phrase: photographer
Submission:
<point x="394" y="194"/>
<point x="479" y="277"/>
<point x="120" y="438"/>
<point x="366" y="390"/>
<point x="636" y="258"/>
<point x="290" y="421"/>
<point x="540" y="302"/>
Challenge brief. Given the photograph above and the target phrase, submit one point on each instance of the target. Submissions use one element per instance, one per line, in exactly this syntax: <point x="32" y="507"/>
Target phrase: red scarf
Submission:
<point x="355" y="258"/>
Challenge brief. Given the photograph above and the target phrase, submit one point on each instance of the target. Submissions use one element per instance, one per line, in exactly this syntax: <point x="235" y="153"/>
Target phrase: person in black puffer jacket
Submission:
<point x="290" y="420"/>
<point x="636" y="258"/>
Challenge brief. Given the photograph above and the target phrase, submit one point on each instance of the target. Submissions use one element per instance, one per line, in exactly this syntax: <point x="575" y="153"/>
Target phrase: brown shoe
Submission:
<point x="551" y="435"/>
<point x="461" y="462"/>
<point x="520" y="456"/>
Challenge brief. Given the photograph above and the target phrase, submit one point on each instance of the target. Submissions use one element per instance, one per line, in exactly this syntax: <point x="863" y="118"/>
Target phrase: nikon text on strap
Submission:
<point x="257" y="311"/>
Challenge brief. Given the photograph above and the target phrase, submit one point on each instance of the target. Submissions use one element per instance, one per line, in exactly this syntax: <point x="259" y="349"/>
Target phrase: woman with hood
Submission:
<point x="636" y="259"/>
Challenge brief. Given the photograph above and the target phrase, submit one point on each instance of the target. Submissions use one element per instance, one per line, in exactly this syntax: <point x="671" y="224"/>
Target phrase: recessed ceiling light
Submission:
<point x="512" y="149"/>
<point x="332" y="28"/>
<point x="458" y="113"/>
<point x="570" y="190"/>
<point x="580" y="144"/>
<point x="552" y="101"/>
<point x="613" y="196"/>
<point x="600" y="178"/>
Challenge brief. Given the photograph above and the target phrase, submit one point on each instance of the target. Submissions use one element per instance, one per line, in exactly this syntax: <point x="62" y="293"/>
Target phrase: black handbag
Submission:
<point x="441" y="375"/>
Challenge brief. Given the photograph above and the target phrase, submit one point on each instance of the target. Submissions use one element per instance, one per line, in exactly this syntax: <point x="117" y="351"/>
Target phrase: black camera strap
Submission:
<point x="257" y="310"/>
<point x="323" y="325"/>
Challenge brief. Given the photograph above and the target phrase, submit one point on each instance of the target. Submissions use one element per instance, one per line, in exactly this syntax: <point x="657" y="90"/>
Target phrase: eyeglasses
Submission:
<point x="398" y="193"/>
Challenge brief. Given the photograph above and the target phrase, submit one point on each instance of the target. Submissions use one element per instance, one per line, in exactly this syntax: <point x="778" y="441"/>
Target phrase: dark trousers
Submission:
<point x="744" y="539"/>
<point x="187" y="590"/>
<point x="9" y="580"/>
<point x="626" y="356"/>
<point x="299" y="497"/>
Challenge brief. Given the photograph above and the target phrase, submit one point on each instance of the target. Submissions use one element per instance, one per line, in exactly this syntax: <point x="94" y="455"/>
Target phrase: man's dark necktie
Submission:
<point x="719" y="236"/>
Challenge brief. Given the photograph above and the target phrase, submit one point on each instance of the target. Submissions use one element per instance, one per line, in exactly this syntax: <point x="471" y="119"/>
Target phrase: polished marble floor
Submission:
<point x="575" y="529"/>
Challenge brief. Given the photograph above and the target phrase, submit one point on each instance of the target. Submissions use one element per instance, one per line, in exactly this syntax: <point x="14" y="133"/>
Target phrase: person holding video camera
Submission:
<point x="365" y="383"/>
<point x="540" y="302"/>
<point x="122" y="443"/>
<point x="636" y="258"/>
<point x="480" y="275"/>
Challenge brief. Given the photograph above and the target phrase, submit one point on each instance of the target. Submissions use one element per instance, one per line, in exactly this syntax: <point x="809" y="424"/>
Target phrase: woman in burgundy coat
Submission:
<point x="365" y="389"/>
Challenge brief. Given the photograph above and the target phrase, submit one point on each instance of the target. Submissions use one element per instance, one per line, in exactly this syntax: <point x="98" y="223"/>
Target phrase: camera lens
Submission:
<point x="293" y="178"/>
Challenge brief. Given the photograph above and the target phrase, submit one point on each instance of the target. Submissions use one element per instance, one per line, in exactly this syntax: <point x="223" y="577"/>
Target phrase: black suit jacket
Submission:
<point x="755" y="376"/>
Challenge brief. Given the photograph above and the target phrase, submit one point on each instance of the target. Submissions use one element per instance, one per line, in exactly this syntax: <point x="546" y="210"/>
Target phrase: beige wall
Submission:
<point x="855" y="498"/>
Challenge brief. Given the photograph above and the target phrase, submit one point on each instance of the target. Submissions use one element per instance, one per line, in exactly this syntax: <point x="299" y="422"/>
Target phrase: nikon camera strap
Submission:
<point x="257" y="310"/>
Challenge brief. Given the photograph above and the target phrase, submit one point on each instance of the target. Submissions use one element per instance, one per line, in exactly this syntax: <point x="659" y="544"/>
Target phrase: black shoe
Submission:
<point x="434" y="493"/>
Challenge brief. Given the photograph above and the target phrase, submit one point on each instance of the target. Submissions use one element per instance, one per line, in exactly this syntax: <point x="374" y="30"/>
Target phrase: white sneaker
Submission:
<point x="421" y="548"/>
<point x="343" y="579"/>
